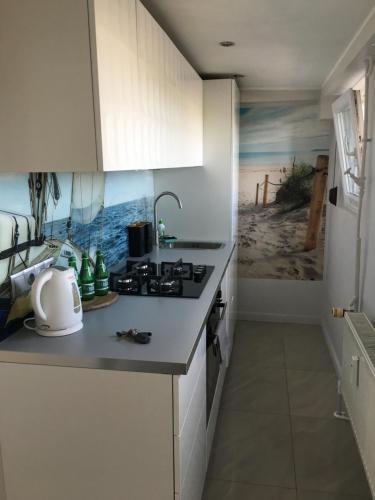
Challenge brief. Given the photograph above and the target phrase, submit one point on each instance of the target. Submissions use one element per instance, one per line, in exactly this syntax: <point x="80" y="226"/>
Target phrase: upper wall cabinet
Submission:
<point x="171" y="95"/>
<point x="93" y="85"/>
<point x="115" y="80"/>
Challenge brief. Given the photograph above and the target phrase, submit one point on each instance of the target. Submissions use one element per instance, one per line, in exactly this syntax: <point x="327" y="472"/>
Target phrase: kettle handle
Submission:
<point x="39" y="284"/>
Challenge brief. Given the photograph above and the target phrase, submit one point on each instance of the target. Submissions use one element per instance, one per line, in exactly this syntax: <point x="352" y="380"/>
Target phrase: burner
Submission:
<point x="143" y="268"/>
<point x="177" y="269"/>
<point x="164" y="285"/>
<point x="129" y="284"/>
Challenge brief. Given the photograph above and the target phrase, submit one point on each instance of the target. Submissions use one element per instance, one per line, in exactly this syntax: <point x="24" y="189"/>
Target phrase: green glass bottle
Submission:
<point x="101" y="275"/>
<point x="87" y="279"/>
<point x="72" y="262"/>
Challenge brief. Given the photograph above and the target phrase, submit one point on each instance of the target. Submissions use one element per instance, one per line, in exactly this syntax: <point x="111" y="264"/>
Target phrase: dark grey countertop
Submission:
<point x="176" y="325"/>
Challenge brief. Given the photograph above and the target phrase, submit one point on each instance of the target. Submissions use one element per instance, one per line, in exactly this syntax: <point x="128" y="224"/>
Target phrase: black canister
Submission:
<point x="149" y="237"/>
<point x="136" y="237"/>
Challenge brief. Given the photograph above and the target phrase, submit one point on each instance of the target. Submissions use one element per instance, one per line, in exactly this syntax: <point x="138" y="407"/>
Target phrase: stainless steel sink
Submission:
<point x="193" y="245"/>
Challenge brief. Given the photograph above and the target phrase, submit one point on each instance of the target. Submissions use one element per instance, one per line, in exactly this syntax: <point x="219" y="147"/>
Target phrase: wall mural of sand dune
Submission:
<point x="279" y="145"/>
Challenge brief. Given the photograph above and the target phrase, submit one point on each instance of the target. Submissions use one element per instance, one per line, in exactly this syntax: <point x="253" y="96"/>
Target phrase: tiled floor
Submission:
<point x="276" y="438"/>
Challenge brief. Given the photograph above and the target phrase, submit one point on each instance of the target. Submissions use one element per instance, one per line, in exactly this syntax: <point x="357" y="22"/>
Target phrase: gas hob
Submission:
<point x="165" y="279"/>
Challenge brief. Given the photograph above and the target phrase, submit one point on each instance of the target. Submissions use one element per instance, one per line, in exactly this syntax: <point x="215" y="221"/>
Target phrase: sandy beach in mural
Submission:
<point x="271" y="244"/>
<point x="271" y="240"/>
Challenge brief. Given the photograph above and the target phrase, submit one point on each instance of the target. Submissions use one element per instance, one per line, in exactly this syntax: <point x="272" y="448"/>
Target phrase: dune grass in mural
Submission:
<point x="279" y="144"/>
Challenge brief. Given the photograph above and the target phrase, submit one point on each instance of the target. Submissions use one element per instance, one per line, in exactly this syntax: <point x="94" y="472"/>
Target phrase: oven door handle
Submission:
<point x="216" y="348"/>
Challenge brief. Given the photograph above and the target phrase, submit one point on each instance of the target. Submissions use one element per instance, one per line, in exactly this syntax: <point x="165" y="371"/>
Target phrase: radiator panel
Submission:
<point x="358" y="386"/>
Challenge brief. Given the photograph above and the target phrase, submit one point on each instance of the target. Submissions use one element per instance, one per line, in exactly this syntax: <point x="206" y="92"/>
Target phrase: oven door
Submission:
<point x="216" y="369"/>
<point x="215" y="356"/>
<point x="214" y="360"/>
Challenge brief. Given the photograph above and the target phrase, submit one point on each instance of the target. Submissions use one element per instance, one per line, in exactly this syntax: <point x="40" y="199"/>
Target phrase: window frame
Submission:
<point x="348" y="102"/>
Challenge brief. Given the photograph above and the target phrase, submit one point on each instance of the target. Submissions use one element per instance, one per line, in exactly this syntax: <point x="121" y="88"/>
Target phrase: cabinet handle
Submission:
<point x="223" y="312"/>
<point x="355" y="364"/>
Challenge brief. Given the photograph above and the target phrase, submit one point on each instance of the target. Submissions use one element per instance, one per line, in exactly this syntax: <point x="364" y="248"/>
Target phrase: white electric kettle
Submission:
<point x="56" y="302"/>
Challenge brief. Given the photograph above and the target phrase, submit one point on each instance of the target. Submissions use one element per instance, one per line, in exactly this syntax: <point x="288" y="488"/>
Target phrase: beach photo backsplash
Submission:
<point x="279" y="146"/>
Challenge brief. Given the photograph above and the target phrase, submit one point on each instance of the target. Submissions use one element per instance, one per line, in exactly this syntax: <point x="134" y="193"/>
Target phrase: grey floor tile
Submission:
<point x="295" y="328"/>
<point x="260" y="327"/>
<point x="226" y="490"/>
<point x="315" y="495"/>
<point x="261" y="389"/>
<point x="253" y="448"/>
<point x="312" y="394"/>
<point x="280" y="329"/>
<point x="327" y="458"/>
<point x="258" y="343"/>
<point x="306" y="349"/>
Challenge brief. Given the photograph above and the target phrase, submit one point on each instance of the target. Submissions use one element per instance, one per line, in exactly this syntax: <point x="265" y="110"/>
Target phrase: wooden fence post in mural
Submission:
<point x="265" y="191"/>
<point x="257" y="194"/>
<point x="317" y="202"/>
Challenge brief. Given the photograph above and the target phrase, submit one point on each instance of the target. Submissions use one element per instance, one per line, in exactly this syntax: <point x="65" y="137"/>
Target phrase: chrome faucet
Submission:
<point x="156" y="230"/>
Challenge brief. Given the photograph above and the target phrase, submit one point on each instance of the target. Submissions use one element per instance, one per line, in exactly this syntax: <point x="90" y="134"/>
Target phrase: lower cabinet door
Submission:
<point x="192" y="432"/>
<point x="190" y="428"/>
<point x="192" y="487"/>
<point x="211" y="425"/>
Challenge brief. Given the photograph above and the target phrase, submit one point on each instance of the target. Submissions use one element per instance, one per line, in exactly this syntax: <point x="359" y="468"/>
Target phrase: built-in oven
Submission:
<point x="214" y="350"/>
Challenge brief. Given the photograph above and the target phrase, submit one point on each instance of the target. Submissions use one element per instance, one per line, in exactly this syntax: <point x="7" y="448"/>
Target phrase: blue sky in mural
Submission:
<point x="14" y="193"/>
<point x="122" y="187"/>
<point x="273" y="133"/>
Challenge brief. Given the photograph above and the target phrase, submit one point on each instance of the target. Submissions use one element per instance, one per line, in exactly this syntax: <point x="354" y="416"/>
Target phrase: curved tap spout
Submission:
<point x="164" y="193"/>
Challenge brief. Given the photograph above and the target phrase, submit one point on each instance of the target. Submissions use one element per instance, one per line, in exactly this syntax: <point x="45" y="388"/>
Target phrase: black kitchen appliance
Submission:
<point x="136" y="237"/>
<point x="214" y="357"/>
<point x="149" y="236"/>
<point x="165" y="279"/>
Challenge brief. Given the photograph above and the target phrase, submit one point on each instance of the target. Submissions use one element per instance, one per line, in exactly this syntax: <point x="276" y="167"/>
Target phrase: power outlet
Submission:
<point x="21" y="282"/>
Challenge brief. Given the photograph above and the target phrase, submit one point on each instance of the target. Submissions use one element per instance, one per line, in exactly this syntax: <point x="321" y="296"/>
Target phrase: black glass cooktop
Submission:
<point x="165" y="279"/>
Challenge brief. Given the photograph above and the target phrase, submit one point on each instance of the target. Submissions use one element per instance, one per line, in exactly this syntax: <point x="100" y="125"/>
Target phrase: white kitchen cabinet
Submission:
<point x="232" y="284"/>
<point x="94" y="85"/>
<point x="190" y="426"/>
<point x="171" y="100"/>
<point x="46" y="99"/>
<point x="115" y="83"/>
<point x="77" y="434"/>
<point x="94" y="434"/>
<point x="229" y="296"/>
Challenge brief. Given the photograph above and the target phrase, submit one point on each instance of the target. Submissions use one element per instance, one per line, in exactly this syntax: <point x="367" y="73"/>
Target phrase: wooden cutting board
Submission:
<point x="100" y="302"/>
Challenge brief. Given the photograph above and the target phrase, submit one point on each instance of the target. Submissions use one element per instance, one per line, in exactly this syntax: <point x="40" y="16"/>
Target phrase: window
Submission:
<point x="348" y="118"/>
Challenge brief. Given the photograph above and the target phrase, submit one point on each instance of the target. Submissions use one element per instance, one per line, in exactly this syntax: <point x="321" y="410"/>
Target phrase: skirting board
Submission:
<point x="332" y="351"/>
<point x="278" y="318"/>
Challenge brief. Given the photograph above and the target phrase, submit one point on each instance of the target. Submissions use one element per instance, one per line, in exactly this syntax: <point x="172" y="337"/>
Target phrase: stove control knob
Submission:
<point x="199" y="273"/>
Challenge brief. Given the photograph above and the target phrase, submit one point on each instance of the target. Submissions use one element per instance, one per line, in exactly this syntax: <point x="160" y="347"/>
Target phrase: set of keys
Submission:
<point x="139" y="337"/>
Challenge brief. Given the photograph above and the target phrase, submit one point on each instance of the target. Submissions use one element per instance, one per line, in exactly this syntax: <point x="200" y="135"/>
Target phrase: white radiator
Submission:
<point x="358" y="386"/>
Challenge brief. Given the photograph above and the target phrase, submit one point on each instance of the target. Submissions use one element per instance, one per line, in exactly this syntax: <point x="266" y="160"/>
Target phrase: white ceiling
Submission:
<point x="280" y="44"/>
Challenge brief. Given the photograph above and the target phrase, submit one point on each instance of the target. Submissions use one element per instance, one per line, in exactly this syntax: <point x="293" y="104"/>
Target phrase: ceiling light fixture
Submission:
<point x="226" y="43"/>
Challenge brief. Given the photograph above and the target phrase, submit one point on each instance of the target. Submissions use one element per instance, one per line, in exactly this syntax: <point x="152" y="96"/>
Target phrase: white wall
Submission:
<point x="280" y="300"/>
<point x="205" y="192"/>
<point x="340" y="251"/>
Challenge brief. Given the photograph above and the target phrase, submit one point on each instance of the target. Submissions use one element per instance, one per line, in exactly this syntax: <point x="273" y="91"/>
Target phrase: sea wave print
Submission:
<point x="107" y="231"/>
